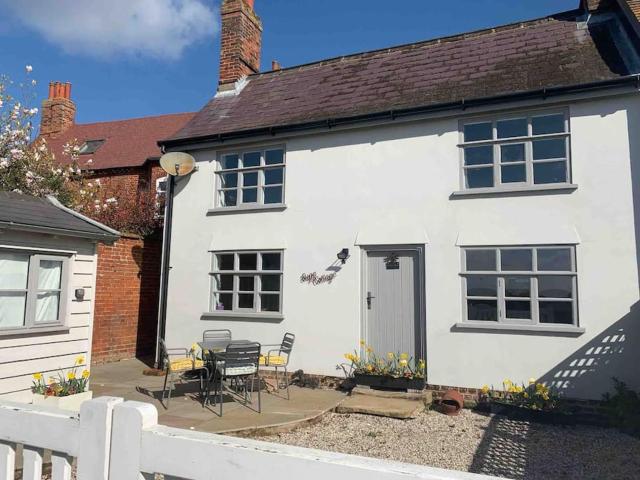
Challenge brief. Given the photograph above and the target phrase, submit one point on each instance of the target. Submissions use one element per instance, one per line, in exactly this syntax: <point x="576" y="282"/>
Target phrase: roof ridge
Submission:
<point x="122" y="120"/>
<point x="434" y="41"/>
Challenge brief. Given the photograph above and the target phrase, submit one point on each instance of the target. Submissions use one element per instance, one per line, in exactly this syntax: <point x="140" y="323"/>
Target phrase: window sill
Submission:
<point x="498" y="327"/>
<point x="246" y="209"/>
<point x="515" y="190"/>
<point x="8" y="332"/>
<point x="260" y="316"/>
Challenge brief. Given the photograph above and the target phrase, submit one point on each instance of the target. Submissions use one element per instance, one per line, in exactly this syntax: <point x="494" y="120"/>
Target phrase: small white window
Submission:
<point x="520" y="285"/>
<point x="32" y="289"/>
<point x="251" y="177"/>
<point x="527" y="150"/>
<point x="247" y="281"/>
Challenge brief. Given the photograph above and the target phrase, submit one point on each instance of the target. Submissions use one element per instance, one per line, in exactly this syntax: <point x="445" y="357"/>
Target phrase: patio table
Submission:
<point x="209" y="350"/>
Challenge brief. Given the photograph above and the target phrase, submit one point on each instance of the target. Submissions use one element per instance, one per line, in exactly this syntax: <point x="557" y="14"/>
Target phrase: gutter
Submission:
<point x="58" y="231"/>
<point x="391" y="115"/>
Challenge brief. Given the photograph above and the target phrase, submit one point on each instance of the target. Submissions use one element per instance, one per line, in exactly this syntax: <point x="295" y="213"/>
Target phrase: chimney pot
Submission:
<point x="275" y="65"/>
<point x="250" y="3"/>
<point x="51" y="90"/>
<point x="58" y="111"/>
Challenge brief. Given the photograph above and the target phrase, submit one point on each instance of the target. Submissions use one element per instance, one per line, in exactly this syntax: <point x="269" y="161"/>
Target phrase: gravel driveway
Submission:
<point x="483" y="444"/>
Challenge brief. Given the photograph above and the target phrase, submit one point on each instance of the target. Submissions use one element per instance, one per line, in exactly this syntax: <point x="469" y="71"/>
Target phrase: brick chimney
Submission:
<point x="241" y="42"/>
<point x="58" y="111"/>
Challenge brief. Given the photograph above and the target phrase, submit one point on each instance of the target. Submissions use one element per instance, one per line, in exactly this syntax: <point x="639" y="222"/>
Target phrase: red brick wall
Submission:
<point x="126" y="304"/>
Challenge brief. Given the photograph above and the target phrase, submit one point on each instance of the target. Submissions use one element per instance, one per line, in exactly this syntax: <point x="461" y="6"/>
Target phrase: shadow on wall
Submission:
<point x="613" y="353"/>
<point x="148" y="258"/>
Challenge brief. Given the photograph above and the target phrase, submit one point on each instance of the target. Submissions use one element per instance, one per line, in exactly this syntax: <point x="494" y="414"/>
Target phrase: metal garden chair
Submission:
<point x="279" y="358"/>
<point x="238" y="363"/>
<point x="177" y="362"/>
<point x="216" y="335"/>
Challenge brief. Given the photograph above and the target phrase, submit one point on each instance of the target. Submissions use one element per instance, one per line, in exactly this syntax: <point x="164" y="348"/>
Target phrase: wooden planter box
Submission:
<point x="554" y="417"/>
<point x="389" y="383"/>
<point x="71" y="402"/>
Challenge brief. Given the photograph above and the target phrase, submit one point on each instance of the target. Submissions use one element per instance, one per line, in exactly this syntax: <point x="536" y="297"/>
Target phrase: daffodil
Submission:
<point x="390" y="356"/>
<point x="404" y="356"/>
<point x="85" y="374"/>
<point x="369" y="350"/>
<point x="403" y="362"/>
<point x="71" y="375"/>
<point x="37" y="376"/>
<point x="369" y="368"/>
<point x="79" y="360"/>
<point x="362" y="343"/>
<point x="485" y="389"/>
<point x="194" y="347"/>
<point x="532" y="381"/>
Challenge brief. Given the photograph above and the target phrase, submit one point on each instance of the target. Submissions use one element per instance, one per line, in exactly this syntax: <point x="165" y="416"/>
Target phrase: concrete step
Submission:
<point x="382" y="406"/>
<point x="426" y="397"/>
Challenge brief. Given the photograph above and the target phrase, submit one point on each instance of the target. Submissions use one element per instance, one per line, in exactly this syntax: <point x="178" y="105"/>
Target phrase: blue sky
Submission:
<point x="161" y="56"/>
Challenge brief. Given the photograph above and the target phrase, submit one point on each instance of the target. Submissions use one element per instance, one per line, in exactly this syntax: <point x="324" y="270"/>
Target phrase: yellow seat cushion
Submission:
<point x="185" y="364"/>
<point x="272" y="360"/>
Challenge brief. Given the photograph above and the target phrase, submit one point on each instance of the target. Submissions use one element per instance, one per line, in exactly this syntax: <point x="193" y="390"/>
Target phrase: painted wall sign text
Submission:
<point x="314" y="279"/>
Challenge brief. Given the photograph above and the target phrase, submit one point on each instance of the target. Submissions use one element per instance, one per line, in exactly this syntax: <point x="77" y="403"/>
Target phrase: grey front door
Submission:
<point x="393" y="302"/>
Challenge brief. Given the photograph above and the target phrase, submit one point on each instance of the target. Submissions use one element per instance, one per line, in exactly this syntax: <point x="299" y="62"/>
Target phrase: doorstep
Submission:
<point x="385" y="404"/>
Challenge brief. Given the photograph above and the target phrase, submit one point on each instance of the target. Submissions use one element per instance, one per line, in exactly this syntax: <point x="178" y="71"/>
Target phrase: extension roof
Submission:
<point x="552" y="52"/>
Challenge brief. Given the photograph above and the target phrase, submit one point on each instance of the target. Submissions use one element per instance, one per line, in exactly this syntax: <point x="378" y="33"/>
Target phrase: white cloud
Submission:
<point x="104" y="28"/>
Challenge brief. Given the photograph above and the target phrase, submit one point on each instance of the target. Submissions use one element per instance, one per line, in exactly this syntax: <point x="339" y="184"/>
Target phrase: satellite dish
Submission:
<point x="177" y="163"/>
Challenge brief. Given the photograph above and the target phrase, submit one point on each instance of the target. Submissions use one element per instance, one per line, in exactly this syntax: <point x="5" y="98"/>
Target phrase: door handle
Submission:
<point x="369" y="298"/>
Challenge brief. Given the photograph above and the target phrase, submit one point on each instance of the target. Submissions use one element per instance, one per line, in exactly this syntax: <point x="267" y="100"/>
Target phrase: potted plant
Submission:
<point x="66" y="392"/>
<point x="394" y="371"/>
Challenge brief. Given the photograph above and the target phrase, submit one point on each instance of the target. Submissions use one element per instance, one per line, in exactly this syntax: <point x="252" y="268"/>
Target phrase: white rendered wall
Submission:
<point x="392" y="185"/>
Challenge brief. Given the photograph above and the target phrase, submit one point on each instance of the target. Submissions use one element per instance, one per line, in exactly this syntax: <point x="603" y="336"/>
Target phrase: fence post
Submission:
<point x="7" y="460"/>
<point x="129" y="421"/>
<point x="95" y="438"/>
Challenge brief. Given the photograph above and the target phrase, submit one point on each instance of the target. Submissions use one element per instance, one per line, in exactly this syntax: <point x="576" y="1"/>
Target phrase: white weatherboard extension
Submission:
<point x="394" y="195"/>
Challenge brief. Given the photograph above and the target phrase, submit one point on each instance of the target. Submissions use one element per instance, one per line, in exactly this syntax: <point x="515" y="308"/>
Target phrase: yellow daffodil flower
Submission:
<point x="362" y="343"/>
<point x="37" y="376"/>
<point x="369" y="368"/>
<point x="85" y="374"/>
<point x="71" y="375"/>
<point x="390" y="356"/>
<point x="485" y="389"/>
<point x="403" y="362"/>
<point x="79" y="360"/>
<point x="404" y="356"/>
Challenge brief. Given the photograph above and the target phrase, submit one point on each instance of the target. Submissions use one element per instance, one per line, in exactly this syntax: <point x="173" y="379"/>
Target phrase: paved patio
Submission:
<point x="125" y="379"/>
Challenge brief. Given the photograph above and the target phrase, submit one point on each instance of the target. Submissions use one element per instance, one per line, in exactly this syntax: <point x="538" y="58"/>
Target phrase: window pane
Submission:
<point x="516" y="127"/>
<point x="548" y="124"/>
<point x="270" y="261"/>
<point x="516" y="260"/>
<point x="513" y="173"/>
<point x="230" y="161"/>
<point x="556" y="312"/>
<point x="50" y="274"/>
<point x="554" y="259"/>
<point x="248" y="261"/>
<point x="479" y="177"/>
<point x="478" y="155"/>
<point x="245" y="300"/>
<point x="555" y="287"/>
<point x="12" y="309"/>
<point x="228" y="180"/>
<point x="228" y="198"/>
<point x="270" y="283"/>
<point x="485" y="310"/>
<point x="478" y="131"/>
<point x="225" y="261"/>
<point x="554" y="148"/>
<point x="223" y="282"/>
<point x="251" y="159"/>
<point x="246" y="284"/>
<point x="270" y="303"/>
<point x="517" y="286"/>
<point x="518" y="309"/>
<point x="481" y="260"/>
<point x="552" y="172"/>
<point x="249" y="195"/>
<point x="273" y="157"/>
<point x="482" y="286"/>
<point x="512" y="153"/>
<point x="273" y="176"/>
<point x="223" y="301"/>
<point x="273" y="195"/>
<point x="47" y="307"/>
<point x="14" y="270"/>
<point x="250" y="179"/>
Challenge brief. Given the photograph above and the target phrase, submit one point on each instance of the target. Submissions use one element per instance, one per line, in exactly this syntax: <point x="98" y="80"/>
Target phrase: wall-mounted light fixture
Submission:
<point x="343" y="255"/>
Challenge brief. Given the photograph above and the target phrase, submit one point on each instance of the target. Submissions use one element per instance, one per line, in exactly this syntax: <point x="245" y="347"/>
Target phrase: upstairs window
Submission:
<point x="90" y="146"/>
<point x="520" y="150"/>
<point x="249" y="178"/>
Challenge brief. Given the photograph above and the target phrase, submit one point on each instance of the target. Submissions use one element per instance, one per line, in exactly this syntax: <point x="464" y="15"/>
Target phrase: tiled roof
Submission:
<point x="26" y="212"/>
<point x="550" y="52"/>
<point x="128" y="143"/>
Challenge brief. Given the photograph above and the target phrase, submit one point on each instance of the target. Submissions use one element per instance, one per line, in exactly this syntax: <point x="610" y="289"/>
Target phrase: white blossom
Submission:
<point x="29" y="68"/>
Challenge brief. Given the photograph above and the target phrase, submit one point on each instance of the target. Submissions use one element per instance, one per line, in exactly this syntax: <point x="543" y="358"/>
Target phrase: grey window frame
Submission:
<point x="534" y="274"/>
<point x="237" y="273"/>
<point x="32" y="290"/>
<point x="527" y="140"/>
<point x="241" y="171"/>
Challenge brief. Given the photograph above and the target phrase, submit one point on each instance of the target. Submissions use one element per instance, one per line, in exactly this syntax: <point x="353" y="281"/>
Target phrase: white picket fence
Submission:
<point x="117" y="440"/>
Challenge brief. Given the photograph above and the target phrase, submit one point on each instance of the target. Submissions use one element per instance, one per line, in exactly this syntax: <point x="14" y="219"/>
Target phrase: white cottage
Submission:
<point x="47" y="280"/>
<point x="483" y="187"/>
